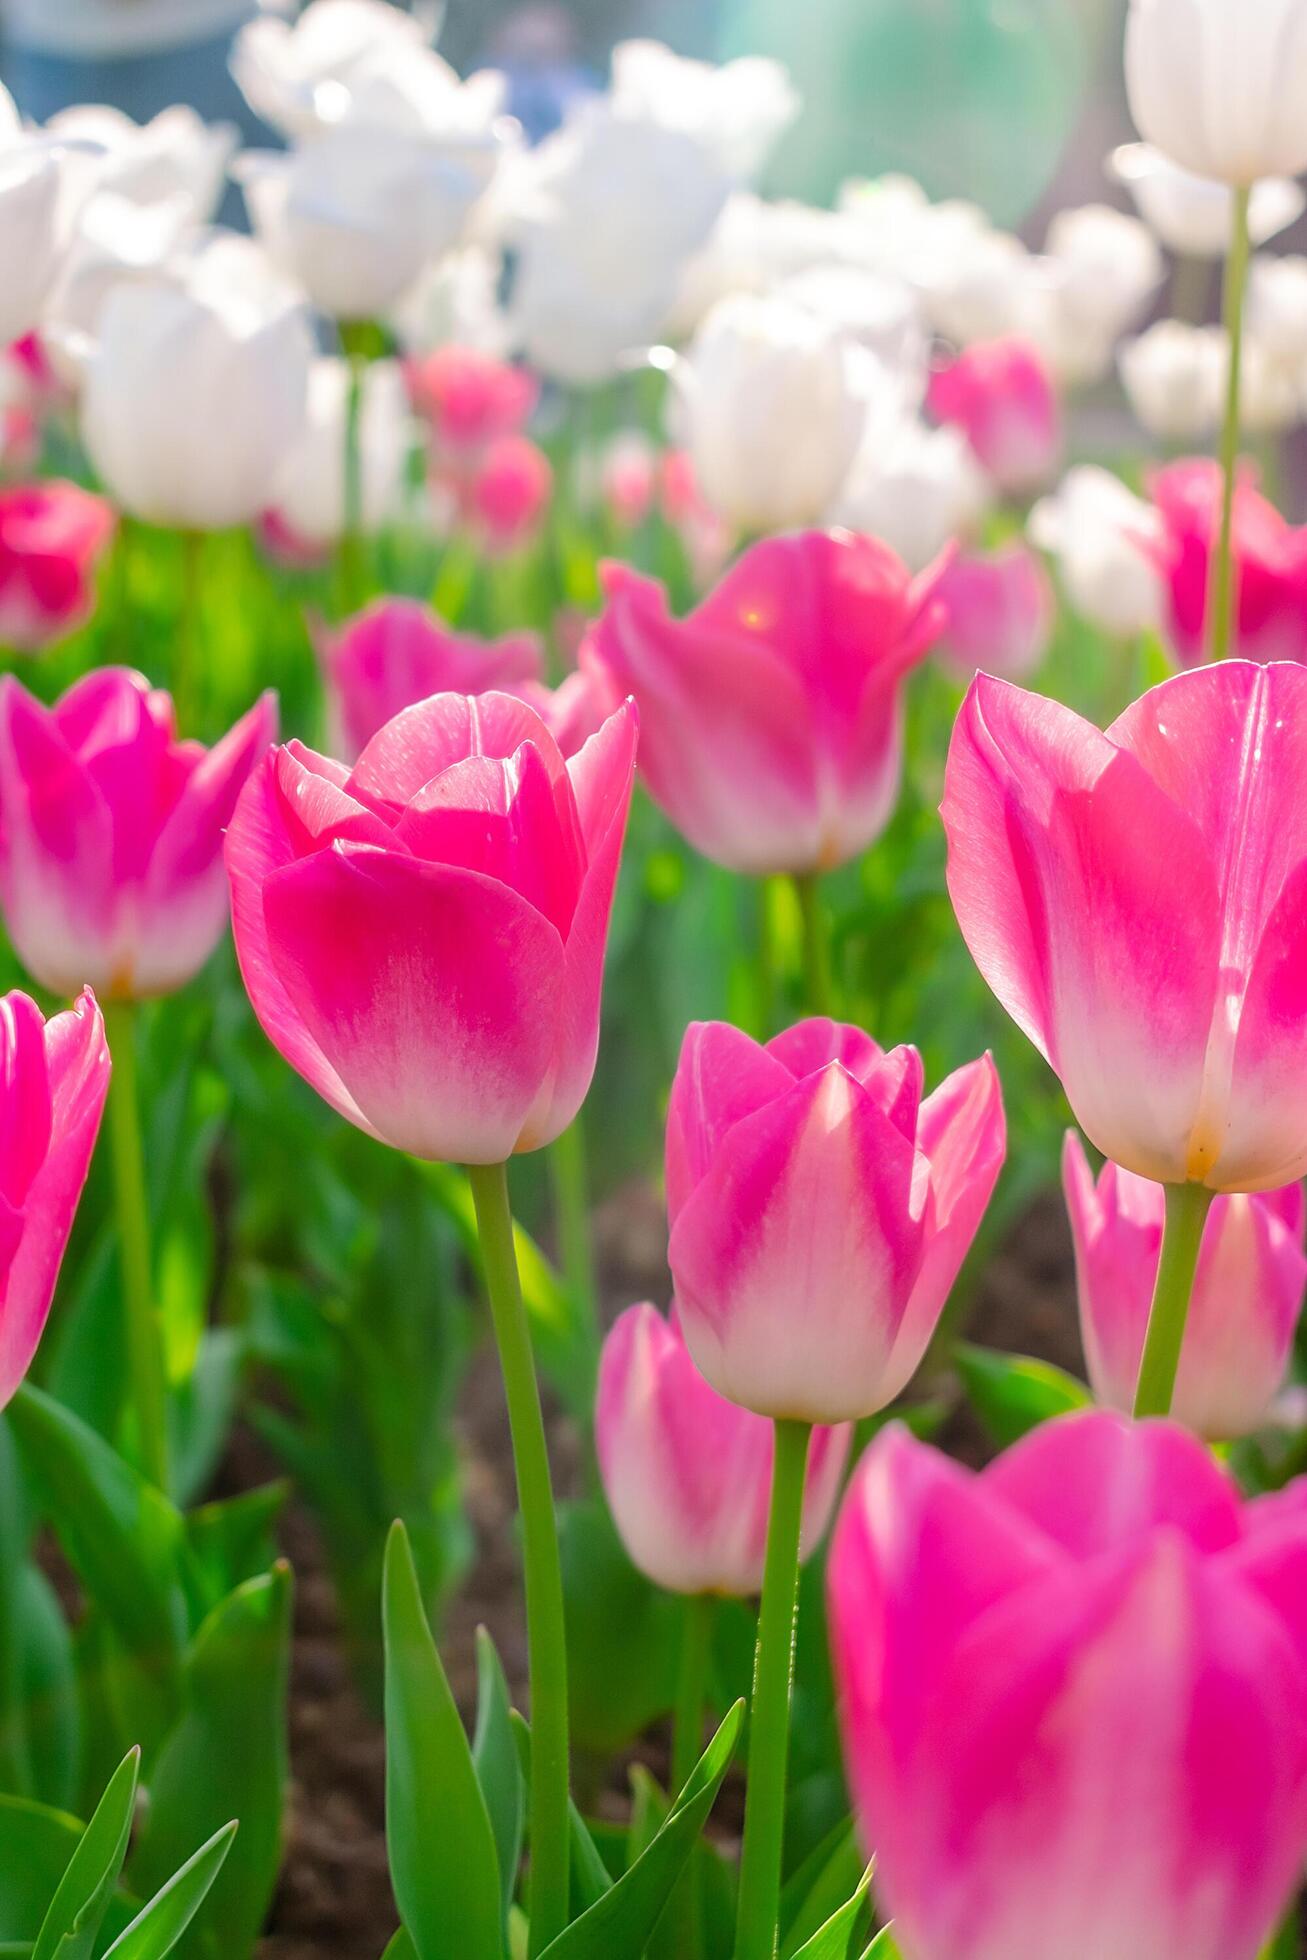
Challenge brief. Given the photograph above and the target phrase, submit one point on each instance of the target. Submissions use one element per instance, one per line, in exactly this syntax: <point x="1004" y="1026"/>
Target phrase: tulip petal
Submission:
<point x="1262" y="1141"/>
<point x="722" y="1076"/>
<point x="430" y="737"/>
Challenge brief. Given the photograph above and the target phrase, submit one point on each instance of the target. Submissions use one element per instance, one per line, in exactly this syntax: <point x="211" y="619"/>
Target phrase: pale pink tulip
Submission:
<point x="771" y="718"/>
<point x="1000" y="613"/>
<point x="1001" y="395"/>
<point x="423" y="936"/>
<point x="508" y="494"/>
<point x="54" y="1076"/>
<point x="1246" y="1299"/>
<point x="688" y="1474"/>
<point x="111" y="831"/>
<point x="1270" y="558"/>
<point x="820" y="1211"/>
<point x="1073" y="1695"/>
<point x="471" y="398"/>
<point x="52" y="537"/>
<point x="1138" y="902"/>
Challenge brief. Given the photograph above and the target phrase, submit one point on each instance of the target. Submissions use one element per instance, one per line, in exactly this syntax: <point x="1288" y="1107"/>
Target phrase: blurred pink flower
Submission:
<point x="471" y="398"/>
<point x="1270" y="565"/>
<point x="1001" y="395"/>
<point x="508" y="494"/>
<point x="52" y="536"/>
<point x="1000" y="610"/>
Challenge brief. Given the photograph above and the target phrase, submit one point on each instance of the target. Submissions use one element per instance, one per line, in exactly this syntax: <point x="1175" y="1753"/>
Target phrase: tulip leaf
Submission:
<point x="884" y="1946"/>
<point x="82" y="1897"/>
<point x="623" y="1920"/>
<point x="157" y="1928"/>
<point x="443" y="1862"/>
<point x="494" y="1757"/>
<point x="37" y="1845"/>
<point x="1013" y="1393"/>
<point x="400" y="1948"/>
<point x="826" y="1880"/>
<point x="591" y="1877"/>
<point x="835" y="1940"/>
<point x="623" y="1634"/>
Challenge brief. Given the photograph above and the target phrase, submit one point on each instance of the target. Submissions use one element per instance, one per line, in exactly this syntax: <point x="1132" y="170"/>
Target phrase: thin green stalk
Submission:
<point x="1222" y="595"/>
<point x="350" y="562"/>
<point x="569" y="1178"/>
<point x="756" y="1925"/>
<point x="188" y="661"/>
<point x="546" y="1633"/>
<point x="816" y="943"/>
<point x="1187" y="1206"/>
<point x="144" y="1337"/>
<point x="692" y="1687"/>
<point x="765" y="968"/>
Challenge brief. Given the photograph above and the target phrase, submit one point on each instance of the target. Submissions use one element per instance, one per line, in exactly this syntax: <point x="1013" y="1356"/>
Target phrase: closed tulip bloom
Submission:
<point x="111" y="832"/>
<point x="1245" y="1303"/>
<point x="1000" y="612"/>
<point x="508" y="494"/>
<point x="295" y="73"/>
<point x="915" y="488"/>
<point x="471" y="397"/>
<point x="1194" y="215"/>
<point x="1102" y="537"/>
<point x="1174" y="379"/>
<point x="771" y="716"/>
<point x="52" y="536"/>
<point x="1136" y="901"/>
<point x="55" y="1076"/>
<point x="1073" y="1695"/>
<point x="397" y="652"/>
<point x="687" y="1474"/>
<point x="1000" y="394"/>
<point x="1221" y="89"/>
<point x="36" y="197"/>
<point x="820" y="1210"/>
<point x="423" y="936"/>
<point x="1270" y="559"/>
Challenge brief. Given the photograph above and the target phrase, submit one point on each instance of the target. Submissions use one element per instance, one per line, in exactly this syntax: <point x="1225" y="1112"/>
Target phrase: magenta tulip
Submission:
<point x="52" y="537"/>
<point x="1270" y="558"/>
<point x="1246" y="1299"/>
<point x="688" y="1474"/>
<point x="423" y="936"/>
<point x="507" y="496"/>
<point x="771" y="725"/>
<point x="397" y="652"/>
<point x="1000" y="394"/>
<point x="1073" y="1695"/>
<point x="820" y="1211"/>
<point x="111" y="834"/>
<point x="1000" y="613"/>
<point x="1138" y="902"/>
<point x="55" y="1075"/>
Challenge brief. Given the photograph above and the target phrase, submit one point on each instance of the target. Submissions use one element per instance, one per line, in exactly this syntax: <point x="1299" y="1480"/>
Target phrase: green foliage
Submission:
<point x="1012" y="1393"/>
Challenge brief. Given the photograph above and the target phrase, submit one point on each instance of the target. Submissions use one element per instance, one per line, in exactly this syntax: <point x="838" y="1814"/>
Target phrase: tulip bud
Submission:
<point x="509" y="494"/>
<point x="1173" y="377"/>
<point x="1000" y="395"/>
<point x="52" y="536"/>
<point x="1102" y="537"/>
<point x="1220" y="89"/>
<point x="471" y="398"/>
<point x="1000" y="613"/>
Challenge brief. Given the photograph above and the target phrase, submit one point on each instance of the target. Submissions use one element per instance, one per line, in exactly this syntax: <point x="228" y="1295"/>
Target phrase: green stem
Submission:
<point x="816" y="943"/>
<point x="570" y="1180"/>
<point x="144" y="1340"/>
<point x="188" y="662"/>
<point x="691" y="1688"/>
<point x="765" y="968"/>
<point x="546" y="1633"/>
<point x="350" y="563"/>
<point x="1222" y="595"/>
<point x="1187" y="1206"/>
<point x="756" y="1926"/>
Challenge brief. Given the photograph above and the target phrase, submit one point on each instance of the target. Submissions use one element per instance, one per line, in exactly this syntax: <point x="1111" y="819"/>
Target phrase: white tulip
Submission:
<point x="970" y="276"/>
<point x="455" y="300"/>
<point x="1220" y="86"/>
<point x="875" y="311"/>
<point x="196" y="387"/>
<point x="738" y="109"/>
<point x="115" y="241"/>
<point x="1108" y="267"/>
<point x="755" y="245"/>
<point x="295" y="74"/>
<point x="1174" y="378"/>
<point x="42" y="183"/>
<point x="915" y="487"/>
<point x="176" y="157"/>
<point x="1192" y="215"/>
<point x="309" y="487"/>
<point x="1277" y="305"/>
<point x="1099" y="533"/>
<point x="1270" y="387"/>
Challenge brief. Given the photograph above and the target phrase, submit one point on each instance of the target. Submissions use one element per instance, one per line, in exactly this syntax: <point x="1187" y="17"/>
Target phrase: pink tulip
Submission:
<point x="1243" y="1311"/>
<point x="1138" y="902"/>
<point x="771" y="717"/>
<point x="111" y="834"/>
<point x="1270" y="565"/>
<point x="471" y="398"/>
<point x="820" y="1211"/>
<point x="1000" y="394"/>
<point x="509" y="494"/>
<point x="1000" y="613"/>
<point x="686" y="1473"/>
<point x="423" y="936"/>
<point x="52" y="536"/>
<point x="1073" y="1695"/>
<point x="397" y="651"/>
<point x="577" y="708"/>
<point x="628" y="478"/>
<point x="56" y="1076"/>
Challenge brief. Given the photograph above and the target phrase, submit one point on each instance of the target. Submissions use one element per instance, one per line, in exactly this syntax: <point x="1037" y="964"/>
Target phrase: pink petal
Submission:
<point x="722" y="1076"/>
<point x="433" y="735"/>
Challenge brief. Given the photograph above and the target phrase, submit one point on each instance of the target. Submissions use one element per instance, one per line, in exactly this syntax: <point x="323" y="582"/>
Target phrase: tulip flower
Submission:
<point x="1101" y="536"/>
<point x="176" y="157"/>
<point x="1247" y="1294"/>
<point x="35" y="198"/>
<point x="1270" y="557"/>
<point x="397" y="652"/>
<point x="56" y="1076"/>
<point x="509" y="494"/>
<point x="917" y="489"/>
<point x="1000" y="395"/>
<point x="1134" y="900"/>
<point x="688" y="1474"/>
<point x="1000" y="612"/>
<point x="52" y="536"/>
<point x="111" y="833"/>
<point x="293" y="73"/>
<point x="470" y="397"/>
<point x="1073" y="1696"/>
<point x="1100" y="273"/>
<point x="820" y="1210"/>
<point x="738" y="109"/>
<point x="460" y="862"/>
<point x="1220" y="90"/>
<point x="1174" y="379"/>
<point x="771" y="717"/>
<point x="1194" y="215"/>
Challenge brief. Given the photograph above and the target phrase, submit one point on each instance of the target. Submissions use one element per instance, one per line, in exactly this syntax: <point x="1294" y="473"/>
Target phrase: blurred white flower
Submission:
<point x="176" y="157"/>
<point x="1099" y="533"/>
<point x="114" y="242"/>
<point x="308" y="489"/>
<point x="1270" y="387"/>
<point x="756" y="244"/>
<point x="874" y="310"/>
<point x="42" y="184"/>
<point x="737" y="109"/>
<point x="1221" y="88"/>
<point x="1174" y="378"/>
<point x="196" y="387"/>
<point x="916" y="487"/>
<point x="455" y="302"/>
<point x="295" y="74"/>
<point x="970" y="276"/>
<point x="1277" y="305"/>
<point x="1192" y="215"/>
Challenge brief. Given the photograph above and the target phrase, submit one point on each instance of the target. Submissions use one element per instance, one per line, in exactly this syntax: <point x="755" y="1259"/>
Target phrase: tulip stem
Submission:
<point x="1223" y="598"/>
<point x="1187" y="1206"/>
<point x="816" y="943"/>
<point x="189" y="654"/>
<point x="570" y="1180"/>
<point x="691" y="1688"/>
<point x="757" y="1923"/>
<point x="350" y="563"/>
<point x="546" y="1633"/>
<point x="144" y="1342"/>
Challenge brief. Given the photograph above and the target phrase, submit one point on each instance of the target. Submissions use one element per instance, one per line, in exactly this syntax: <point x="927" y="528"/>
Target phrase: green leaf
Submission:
<point x="400" y="1948"/>
<point x="834" y="1940"/>
<point x="591" y="1877"/>
<point x="622" y="1921"/>
<point x="825" y="1880"/>
<point x="443" y="1862"/>
<point x="623" y="1634"/>
<point x="157" y="1928"/>
<point x="1013" y="1393"/>
<point x="38" y="1843"/>
<point x="494" y="1756"/>
<point x="81" y="1900"/>
<point x="884" y="1946"/>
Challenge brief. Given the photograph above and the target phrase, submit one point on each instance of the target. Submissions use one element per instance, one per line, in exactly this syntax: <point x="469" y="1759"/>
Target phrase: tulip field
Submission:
<point x="653" y="1082"/>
